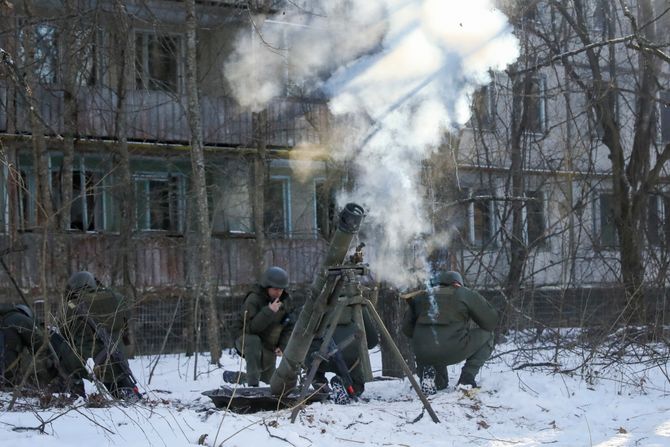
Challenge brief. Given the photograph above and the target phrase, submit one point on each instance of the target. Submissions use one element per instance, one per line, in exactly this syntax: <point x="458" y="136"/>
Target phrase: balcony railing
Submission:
<point x="155" y="116"/>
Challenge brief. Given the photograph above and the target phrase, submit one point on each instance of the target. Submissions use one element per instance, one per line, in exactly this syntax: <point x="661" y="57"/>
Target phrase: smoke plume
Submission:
<point x="399" y="74"/>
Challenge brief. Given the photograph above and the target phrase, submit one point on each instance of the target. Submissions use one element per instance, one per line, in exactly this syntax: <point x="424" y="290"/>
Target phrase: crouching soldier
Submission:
<point x="439" y="325"/>
<point x="94" y="321"/>
<point x="28" y="359"/>
<point x="346" y="363"/>
<point x="267" y="321"/>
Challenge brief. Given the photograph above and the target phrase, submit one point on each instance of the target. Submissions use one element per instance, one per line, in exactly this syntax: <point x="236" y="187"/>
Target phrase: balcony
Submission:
<point x="156" y="116"/>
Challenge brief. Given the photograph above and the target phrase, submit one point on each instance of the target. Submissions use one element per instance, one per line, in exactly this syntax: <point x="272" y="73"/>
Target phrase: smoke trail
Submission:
<point x="399" y="74"/>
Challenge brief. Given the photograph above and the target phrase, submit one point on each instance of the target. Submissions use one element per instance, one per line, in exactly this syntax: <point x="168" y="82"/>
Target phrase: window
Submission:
<point x="664" y="116"/>
<point x="231" y="197"/>
<point x="482" y="219"/>
<point x="86" y="208"/>
<point x="658" y="220"/>
<point x="483" y="108"/>
<point x="605" y="222"/>
<point x="612" y="111"/>
<point x="535" y="217"/>
<point x="45" y="46"/>
<point x="89" y="71"/>
<point x="88" y="197"/>
<point x="157" y="61"/>
<point x="160" y="202"/>
<point x="4" y="197"/>
<point x="24" y="186"/>
<point x="277" y="210"/>
<point x="277" y="51"/>
<point x="532" y="104"/>
<point x="527" y="10"/>
<point x="325" y="208"/>
<point x="599" y="11"/>
<point x="655" y="212"/>
<point x="46" y="53"/>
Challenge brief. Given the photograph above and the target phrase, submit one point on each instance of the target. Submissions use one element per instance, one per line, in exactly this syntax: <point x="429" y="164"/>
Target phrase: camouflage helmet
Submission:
<point x="80" y="281"/>
<point x="275" y="277"/>
<point x="446" y="278"/>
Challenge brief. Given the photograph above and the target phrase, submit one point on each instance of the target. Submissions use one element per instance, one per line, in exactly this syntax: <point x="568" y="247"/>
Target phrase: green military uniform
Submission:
<point x="346" y="327"/>
<point x="439" y="322"/>
<point x="105" y="309"/>
<point x="264" y="330"/>
<point x="22" y="352"/>
<point x="19" y="334"/>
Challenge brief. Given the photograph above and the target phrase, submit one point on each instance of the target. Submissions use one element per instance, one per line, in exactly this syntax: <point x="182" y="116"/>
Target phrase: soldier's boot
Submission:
<point x="320" y="382"/>
<point x="428" y="381"/>
<point x="338" y="392"/>
<point x="467" y="379"/>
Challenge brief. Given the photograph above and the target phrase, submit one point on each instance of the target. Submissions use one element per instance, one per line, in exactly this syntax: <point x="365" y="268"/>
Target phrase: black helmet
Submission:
<point x="446" y="278"/>
<point x="81" y="281"/>
<point x="27" y="311"/>
<point x="275" y="277"/>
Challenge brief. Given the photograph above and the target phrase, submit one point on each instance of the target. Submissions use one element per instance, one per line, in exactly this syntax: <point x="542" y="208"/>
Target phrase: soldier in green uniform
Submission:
<point x="350" y="355"/>
<point x="19" y="333"/>
<point x="95" y="323"/>
<point x="23" y="350"/>
<point x="266" y="319"/>
<point x="439" y="322"/>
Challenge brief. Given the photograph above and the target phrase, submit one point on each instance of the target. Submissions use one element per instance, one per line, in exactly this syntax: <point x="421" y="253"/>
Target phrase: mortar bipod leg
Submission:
<point x="363" y="354"/>
<point x="321" y="355"/>
<point x="401" y="360"/>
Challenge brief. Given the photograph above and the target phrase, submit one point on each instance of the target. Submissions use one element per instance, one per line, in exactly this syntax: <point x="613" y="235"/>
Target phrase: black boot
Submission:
<point x="467" y="379"/>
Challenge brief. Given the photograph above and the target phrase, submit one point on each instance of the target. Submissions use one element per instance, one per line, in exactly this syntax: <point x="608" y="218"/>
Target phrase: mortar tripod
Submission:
<point x="348" y="293"/>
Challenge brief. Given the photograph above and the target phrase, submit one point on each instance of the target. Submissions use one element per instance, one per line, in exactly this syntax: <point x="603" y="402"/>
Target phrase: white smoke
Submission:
<point x="401" y="72"/>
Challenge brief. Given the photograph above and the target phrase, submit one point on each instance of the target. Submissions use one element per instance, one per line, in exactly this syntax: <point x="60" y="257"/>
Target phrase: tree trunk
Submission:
<point x="205" y="285"/>
<point x="518" y="249"/>
<point x="122" y="162"/>
<point x="259" y="123"/>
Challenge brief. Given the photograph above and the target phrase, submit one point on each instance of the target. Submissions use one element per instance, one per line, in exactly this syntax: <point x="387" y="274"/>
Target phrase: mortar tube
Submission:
<point x="285" y="377"/>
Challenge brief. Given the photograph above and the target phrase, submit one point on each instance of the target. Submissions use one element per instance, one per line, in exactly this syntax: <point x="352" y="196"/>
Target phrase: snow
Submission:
<point x="621" y="404"/>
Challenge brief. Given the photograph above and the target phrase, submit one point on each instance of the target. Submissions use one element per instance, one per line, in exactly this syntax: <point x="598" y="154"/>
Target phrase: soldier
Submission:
<point x="349" y="362"/>
<point x="439" y="324"/>
<point x="18" y="332"/>
<point x="267" y="322"/>
<point x="103" y="304"/>
<point x="95" y="323"/>
<point x="54" y="364"/>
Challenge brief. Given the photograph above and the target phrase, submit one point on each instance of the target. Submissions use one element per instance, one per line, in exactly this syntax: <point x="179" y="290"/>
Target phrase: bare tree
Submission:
<point x="204" y="285"/>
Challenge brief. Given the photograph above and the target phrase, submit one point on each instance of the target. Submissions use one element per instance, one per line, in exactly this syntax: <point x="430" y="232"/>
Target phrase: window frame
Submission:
<point x="286" y="207"/>
<point x="663" y="132"/>
<point x="98" y="190"/>
<point x="528" y="101"/>
<point x="527" y="214"/>
<point x="323" y="211"/>
<point x="219" y="192"/>
<point x="146" y="82"/>
<point x="488" y="92"/>
<point x="612" y="237"/>
<point x="491" y="222"/>
<point x="146" y="178"/>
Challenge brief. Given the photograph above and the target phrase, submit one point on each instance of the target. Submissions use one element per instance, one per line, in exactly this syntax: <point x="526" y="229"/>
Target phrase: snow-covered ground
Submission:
<point x="620" y="405"/>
